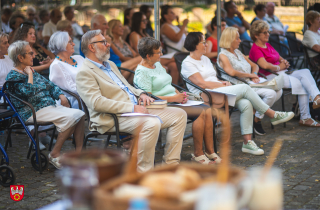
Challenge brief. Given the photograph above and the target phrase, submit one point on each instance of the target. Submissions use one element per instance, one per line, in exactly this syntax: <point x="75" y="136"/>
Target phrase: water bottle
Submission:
<point x="139" y="204"/>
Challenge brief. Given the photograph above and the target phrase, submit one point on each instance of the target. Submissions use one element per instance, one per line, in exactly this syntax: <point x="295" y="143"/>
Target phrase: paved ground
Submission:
<point x="299" y="160"/>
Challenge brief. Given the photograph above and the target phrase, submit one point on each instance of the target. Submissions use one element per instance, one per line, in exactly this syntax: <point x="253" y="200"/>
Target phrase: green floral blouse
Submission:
<point x="40" y="94"/>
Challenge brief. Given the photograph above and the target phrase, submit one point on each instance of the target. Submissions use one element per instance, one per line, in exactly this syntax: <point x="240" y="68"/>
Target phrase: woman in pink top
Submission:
<point x="301" y="82"/>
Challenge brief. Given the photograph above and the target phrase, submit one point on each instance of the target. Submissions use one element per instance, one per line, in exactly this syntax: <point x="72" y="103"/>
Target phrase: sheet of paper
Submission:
<point x="189" y="103"/>
<point x="134" y="114"/>
<point x="231" y="97"/>
<point x="285" y="28"/>
<point x="261" y="81"/>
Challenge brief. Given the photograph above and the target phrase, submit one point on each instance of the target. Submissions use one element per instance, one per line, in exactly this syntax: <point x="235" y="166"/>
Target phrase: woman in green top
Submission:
<point x="153" y="78"/>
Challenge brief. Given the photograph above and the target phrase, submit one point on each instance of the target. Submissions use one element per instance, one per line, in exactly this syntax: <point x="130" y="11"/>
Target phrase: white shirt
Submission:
<point x="204" y="66"/>
<point x="77" y="30"/>
<point x="64" y="76"/>
<point x="178" y="45"/>
<point x="310" y="39"/>
<point x="5" y="27"/>
<point x="48" y="29"/>
<point x="6" y="65"/>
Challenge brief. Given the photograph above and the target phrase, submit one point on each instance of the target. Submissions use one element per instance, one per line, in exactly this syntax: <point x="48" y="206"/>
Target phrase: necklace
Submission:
<point x="73" y="60"/>
<point x="21" y="72"/>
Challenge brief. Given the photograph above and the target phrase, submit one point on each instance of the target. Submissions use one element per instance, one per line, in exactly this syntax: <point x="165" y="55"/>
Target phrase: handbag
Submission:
<point x="276" y="83"/>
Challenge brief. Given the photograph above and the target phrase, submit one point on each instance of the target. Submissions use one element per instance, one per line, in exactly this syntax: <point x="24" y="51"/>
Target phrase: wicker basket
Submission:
<point x="105" y="200"/>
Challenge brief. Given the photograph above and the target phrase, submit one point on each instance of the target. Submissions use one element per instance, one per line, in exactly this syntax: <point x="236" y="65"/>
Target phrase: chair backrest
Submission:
<point x="85" y="109"/>
<point x="179" y="57"/>
<point x="294" y="44"/>
<point x="245" y="47"/>
<point x="310" y="64"/>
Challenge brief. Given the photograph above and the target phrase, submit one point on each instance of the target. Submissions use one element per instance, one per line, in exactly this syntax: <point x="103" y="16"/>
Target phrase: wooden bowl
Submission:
<point x="106" y="170"/>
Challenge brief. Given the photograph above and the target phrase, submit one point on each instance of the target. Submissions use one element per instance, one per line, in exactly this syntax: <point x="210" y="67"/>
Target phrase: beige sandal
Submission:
<point x="314" y="123"/>
<point x="203" y="158"/>
<point x="315" y="104"/>
<point x="213" y="157"/>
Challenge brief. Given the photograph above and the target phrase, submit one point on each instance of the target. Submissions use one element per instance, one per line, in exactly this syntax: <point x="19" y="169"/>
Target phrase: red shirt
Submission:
<point x="269" y="53"/>
<point x="214" y="46"/>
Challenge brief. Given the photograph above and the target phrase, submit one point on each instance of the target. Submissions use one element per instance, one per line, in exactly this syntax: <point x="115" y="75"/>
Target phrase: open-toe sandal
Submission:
<point x="213" y="157"/>
<point x="314" y="123"/>
<point x="316" y="104"/>
<point x="202" y="159"/>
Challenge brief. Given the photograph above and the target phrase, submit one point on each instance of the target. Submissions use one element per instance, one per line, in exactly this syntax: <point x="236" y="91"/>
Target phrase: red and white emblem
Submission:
<point x="16" y="192"/>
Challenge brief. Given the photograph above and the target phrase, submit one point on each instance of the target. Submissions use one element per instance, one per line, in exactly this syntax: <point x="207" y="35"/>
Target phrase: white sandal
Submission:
<point x="314" y="123"/>
<point x="213" y="157"/>
<point x="315" y="104"/>
<point x="203" y="158"/>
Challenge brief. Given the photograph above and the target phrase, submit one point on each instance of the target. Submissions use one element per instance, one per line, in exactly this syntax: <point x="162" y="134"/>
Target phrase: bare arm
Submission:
<point x="266" y="65"/>
<point x="316" y="47"/>
<point x="171" y="34"/>
<point x="41" y="67"/>
<point x="208" y="53"/>
<point x="254" y="67"/>
<point x="198" y="80"/>
<point x="134" y="38"/>
<point x="46" y="40"/>
<point x="49" y="53"/>
<point x="132" y="51"/>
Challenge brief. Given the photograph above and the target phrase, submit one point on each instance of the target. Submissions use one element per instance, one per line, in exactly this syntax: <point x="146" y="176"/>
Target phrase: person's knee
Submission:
<point x="152" y="123"/>
<point x="244" y="87"/>
<point x="245" y="105"/>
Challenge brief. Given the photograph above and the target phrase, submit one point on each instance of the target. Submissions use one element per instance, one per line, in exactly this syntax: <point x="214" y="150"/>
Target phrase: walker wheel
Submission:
<point x="44" y="162"/>
<point x="7" y="176"/>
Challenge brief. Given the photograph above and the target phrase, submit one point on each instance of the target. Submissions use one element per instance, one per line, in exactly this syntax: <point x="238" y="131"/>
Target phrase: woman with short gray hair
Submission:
<point x="152" y="77"/>
<point x="64" y="68"/>
<point x="42" y="95"/>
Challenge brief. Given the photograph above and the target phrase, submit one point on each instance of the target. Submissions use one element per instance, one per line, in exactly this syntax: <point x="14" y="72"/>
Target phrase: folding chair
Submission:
<point x="313" y="67"/>
<point x="295" y="48"/>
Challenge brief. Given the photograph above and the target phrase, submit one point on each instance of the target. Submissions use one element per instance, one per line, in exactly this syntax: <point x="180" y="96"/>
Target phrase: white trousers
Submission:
<point x="268" y="96"/>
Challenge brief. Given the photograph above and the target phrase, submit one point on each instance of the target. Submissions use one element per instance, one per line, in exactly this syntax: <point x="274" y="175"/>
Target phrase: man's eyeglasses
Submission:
<point x="29" y="53"/>
<point x="265" y="32"/>
<point x="102" y="41"/>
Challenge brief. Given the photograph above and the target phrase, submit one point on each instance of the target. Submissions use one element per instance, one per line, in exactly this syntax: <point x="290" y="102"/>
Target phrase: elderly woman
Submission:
<point x="301" y="81"/>
<point x="234" y="63"/>
<point x="311" y="37"/>
<point x="43" y="57"/>
<point x="6" y="64"/>
<point x="199" y="69"/>
<point x="152" y="77"/>
<point x="64" y="69"/>
<point x="42" y="94"/>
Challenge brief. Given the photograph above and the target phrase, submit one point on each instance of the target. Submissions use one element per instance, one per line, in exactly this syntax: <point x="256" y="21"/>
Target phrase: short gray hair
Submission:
<point x="15" y="49"/>
<point x="86" y="39"/>
<point x="3" y="35"/>
<point x="58" y="42"/>
<point x="146" y="45"/>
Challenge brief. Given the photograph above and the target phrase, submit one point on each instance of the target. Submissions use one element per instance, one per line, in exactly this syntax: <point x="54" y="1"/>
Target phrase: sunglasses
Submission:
<point x="266" y="32"/>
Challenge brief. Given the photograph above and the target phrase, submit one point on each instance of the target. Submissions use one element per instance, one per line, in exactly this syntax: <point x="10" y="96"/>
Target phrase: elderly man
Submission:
<point x="277" y="26"/>
<point x="236" y="21"/>
<point x="5" y="16"/>
<point x="31" y="16"/>
<point x="50" y="27"/>
<point x="104" y="90"/>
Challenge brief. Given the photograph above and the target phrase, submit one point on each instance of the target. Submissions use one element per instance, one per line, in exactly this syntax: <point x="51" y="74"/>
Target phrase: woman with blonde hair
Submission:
<point x="234" y="63"/>
<point x="301" y="81"/>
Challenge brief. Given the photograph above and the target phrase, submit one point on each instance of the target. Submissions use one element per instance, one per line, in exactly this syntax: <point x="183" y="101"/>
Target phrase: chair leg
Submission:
<point x="159" y="142"/>
<point x="215" y="136"/>
<point x="51" y="141"/>
<point x="8" y="139"/>
<point x="107" y="142"/>
<point x="283" y="109"/>
<point x="38" y="149"/>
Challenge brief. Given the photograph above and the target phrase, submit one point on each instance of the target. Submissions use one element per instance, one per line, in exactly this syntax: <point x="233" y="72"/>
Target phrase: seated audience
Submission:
<point x="5" y="17"/>
<point x="42" y="95"/>
<point x="236" y="21"/>
<point x="104" y="90"/>
<point x="300" y="81"/>
<point x="311" y="37"/>
<point x="6" y="64"/>
<point x="212" y="42"/>
<point x="128" y="57"/>
<point x="127" y="17"/>
<point x="199" y="69"/>
<point x="42" y="57"/>
<point x="138" y="31"/>
<point x="152" y="77"/>
<point x="208" y="26"/>
<point x="64" y="68"/>
<point x="173" y="36"/>
<point x="44" y="18"/>
<point x="273" y="20"/>
<point x="260" y="11"/>
<point x="77" y="29"/>
<point x="50" y="27"/>
<point x="32" y="16"/>
<point x="147" y="11"/>
<point x="65" y="25"/>
<point x="234" y="63"/>
<point x="15" y="21"/>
